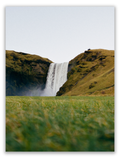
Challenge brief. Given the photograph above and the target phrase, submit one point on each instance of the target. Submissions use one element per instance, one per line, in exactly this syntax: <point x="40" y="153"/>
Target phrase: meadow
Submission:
<point x="70" y="123"/>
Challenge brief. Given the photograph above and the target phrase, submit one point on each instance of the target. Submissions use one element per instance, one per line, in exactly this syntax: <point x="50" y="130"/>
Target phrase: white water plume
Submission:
<point x="57" y="76"/>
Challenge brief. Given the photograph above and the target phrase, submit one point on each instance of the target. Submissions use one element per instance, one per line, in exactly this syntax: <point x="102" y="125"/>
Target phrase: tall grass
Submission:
<point x="60" y="123"/>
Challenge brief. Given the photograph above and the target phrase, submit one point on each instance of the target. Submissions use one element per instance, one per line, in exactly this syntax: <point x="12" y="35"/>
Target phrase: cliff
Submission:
<point x="25" y="73"/>
<point x="90" y="73"/>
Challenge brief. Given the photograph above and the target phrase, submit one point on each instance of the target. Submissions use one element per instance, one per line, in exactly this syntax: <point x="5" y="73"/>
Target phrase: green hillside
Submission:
<point x="25" y="73"/>
<point x="90" y="73"/>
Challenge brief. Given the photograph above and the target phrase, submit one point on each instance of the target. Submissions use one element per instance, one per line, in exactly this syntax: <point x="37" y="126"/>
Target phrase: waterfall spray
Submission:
<point x="57" y="76"/>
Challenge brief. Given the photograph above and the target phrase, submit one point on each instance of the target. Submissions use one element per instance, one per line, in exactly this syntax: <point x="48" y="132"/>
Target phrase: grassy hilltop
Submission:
<point x="24" y="73"/>
<point x="90" y="73"/>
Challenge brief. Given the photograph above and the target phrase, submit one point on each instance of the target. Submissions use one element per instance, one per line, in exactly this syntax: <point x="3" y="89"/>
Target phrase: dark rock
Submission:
<point x="91" y="85"/>
<point x="25" y="73"/>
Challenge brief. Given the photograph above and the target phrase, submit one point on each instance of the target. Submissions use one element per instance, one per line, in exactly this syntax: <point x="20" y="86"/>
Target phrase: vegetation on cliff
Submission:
<point x="25" y="73"/>
<point x="90" y="73"/>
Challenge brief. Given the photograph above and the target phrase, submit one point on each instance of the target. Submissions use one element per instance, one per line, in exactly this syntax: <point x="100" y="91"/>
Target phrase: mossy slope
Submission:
<point x="90" y="73"/>
<point x="25" y="73"/>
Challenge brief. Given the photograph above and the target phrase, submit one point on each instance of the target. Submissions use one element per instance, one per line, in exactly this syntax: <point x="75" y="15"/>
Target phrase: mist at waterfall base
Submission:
<point x="57" y="76"/>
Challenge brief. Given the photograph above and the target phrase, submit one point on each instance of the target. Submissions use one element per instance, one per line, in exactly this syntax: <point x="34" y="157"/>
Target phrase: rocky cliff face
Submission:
<point x="25" y="74"/>
<point x="90" y="73"/>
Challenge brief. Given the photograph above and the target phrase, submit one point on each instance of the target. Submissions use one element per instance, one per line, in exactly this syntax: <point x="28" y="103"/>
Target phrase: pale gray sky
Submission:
<point x="59" y="33"/>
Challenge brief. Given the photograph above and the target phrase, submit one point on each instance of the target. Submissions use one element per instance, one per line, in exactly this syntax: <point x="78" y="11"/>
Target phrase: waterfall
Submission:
<point x="57" y="76"/>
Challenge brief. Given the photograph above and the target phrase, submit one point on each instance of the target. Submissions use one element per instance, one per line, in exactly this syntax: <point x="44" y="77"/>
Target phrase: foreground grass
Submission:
<point x="59" y="123"/>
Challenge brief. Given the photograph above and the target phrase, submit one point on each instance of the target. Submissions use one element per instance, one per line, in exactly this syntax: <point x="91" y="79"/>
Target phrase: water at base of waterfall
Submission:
<point x="57" y="76"/>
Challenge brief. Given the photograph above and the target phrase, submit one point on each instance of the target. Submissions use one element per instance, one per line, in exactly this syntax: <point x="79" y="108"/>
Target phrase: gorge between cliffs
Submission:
<point x="89" y="73"/>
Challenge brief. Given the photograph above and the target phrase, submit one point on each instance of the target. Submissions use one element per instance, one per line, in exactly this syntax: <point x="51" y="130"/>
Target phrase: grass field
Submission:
<point x="60" y="123"/>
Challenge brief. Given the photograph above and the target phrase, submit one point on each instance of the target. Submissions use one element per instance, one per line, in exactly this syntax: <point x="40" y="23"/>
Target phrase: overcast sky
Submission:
<point x="59" y="33"/>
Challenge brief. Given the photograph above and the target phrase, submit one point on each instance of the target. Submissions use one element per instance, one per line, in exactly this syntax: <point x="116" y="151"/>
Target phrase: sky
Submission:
<point x="59" y="33"/>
